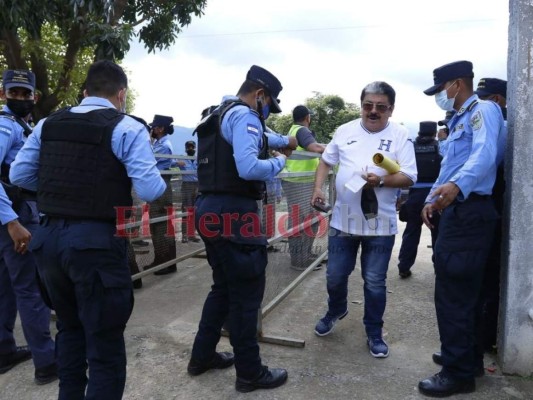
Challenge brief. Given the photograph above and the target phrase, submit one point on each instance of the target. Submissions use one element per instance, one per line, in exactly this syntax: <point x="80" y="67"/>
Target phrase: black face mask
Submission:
<point x="21" y="108"/>
<point x="190" y="152"/>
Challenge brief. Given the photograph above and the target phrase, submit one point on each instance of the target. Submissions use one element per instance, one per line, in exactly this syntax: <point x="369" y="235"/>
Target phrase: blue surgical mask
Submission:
<point x="266" y="111"/>
<point x="443" y="101"/>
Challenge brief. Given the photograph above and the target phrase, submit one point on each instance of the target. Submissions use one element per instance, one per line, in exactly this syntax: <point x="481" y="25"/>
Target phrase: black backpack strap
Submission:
<point x="139" y="119"/>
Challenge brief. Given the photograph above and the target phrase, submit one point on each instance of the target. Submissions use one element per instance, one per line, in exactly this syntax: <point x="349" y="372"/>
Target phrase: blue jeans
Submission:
<point x="375" y="256"/>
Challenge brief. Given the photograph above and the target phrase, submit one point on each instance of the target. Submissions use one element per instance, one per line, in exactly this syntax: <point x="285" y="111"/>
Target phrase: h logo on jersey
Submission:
<point x="385" y="146"/>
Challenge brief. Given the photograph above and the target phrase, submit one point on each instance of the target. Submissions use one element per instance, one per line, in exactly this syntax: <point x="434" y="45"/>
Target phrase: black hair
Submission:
<point x="380" y="87"/>
<point x="105" y="78"/>
<point x="169" y="130"/>
<point x="249" y="86"/>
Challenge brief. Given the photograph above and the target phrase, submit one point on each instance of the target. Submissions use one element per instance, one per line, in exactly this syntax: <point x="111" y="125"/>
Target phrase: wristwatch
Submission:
<point x="381" y="181"/>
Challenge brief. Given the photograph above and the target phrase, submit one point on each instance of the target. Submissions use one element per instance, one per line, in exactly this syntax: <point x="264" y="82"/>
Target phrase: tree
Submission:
<point x="330" y="111"/>
<point x="87" y="30"/>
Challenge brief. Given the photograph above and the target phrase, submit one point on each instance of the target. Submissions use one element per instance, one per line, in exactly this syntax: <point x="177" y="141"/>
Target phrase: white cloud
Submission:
<point x="333" y="47"/>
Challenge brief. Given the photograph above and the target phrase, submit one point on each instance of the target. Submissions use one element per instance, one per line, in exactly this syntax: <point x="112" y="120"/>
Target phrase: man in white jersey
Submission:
<point x="357" y="220"/>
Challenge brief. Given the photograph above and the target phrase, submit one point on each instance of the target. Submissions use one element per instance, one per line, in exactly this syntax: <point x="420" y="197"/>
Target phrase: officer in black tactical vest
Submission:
<point x="83" y="161"/>
<point x="428" y="165"/>
<point x="233" y="165"/>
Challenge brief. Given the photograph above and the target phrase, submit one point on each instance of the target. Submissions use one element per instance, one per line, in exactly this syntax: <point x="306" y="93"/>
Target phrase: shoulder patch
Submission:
<point x="3" y="129"/>
<point x="476" y="120"/>
<point x="253" y="129"/>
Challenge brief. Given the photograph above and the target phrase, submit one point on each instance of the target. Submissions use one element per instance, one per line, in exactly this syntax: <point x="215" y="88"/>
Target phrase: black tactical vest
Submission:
<point x="427" y="160"/>
<point x="217" y="171"/>
<point x="79" y="176"/>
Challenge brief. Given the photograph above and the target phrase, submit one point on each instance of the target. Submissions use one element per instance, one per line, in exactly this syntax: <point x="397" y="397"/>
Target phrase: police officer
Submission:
<point x="462" y="193"/>
<point x="299" y="189"/>
<point x="233" y="166"/>
<point x="493" y="89"/>
<point x="18" y="284"/>
<point x="163" y="235"/>
<point x="428" y="165"/>
<point x="189" y="191"/>
<point x="83" y="161"/>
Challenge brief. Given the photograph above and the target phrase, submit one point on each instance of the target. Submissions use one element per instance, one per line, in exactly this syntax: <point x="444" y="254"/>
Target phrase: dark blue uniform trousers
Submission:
<point x="413" y="229"/>
<point x="84" y="268"/>
<point x="20" y="291"/>
<point x="465" y="236"/>
<point x="238" y="261"/>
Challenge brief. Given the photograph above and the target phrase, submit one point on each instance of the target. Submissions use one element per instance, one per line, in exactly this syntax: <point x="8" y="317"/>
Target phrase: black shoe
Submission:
<point x="46" y="374"/>
<point x="480" y="369"/>
<point x="194" y="239"/>
<point x="272" y="249"/>
<point x="138" y="283"/>
<point x="184" y="240"/>
<point x="168" y="270"/>
<point x="442" y="385"/>
<point x="220" y="361"/>
<point x="405" y="274"/>
<point x="8" y="361"/>
<point x="269" y="378"/>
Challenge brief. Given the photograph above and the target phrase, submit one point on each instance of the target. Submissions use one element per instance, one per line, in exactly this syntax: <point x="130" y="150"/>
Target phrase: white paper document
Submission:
<point x="355" y="183"/>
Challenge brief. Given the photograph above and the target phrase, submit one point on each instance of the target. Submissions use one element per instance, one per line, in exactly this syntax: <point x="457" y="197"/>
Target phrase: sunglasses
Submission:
<point x="368" y="106"/>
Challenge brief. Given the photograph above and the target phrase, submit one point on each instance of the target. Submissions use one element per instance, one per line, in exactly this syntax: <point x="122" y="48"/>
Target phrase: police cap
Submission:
<point x="18" y="78"/>
<point x="427" y="128"/>
<point x="449" y="72"/>
<point x="488" y="86"/>
<point x="269" y="82"/>
<point x="162" y="120"/>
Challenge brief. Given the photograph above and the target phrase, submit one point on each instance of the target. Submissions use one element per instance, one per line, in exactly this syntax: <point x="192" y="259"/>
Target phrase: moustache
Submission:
<point x="373" y="116"/>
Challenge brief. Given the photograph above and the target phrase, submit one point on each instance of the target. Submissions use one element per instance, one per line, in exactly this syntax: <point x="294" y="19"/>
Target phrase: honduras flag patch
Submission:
<point x="253" y="129"/>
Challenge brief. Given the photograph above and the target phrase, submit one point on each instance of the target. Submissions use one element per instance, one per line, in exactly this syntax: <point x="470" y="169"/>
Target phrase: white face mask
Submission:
<point x="443" y="101"/>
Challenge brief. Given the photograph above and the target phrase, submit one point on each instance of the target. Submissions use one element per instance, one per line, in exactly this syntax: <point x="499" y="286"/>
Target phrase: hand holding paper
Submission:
<point x="355" y="183"/>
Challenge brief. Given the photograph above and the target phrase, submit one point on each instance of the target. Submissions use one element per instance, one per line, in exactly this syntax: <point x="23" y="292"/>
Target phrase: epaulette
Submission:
<point x="25" y="127"/>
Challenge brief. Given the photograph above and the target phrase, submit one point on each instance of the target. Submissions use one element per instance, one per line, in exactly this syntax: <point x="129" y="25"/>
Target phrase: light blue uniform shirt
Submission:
<point x="474" y="149"/>
<point x="190" y="165"/>
<point x="11" y="141"/>
<point x="163" y="146"/>
<point x="130" y="143"/>
<point x="242" y="129"/>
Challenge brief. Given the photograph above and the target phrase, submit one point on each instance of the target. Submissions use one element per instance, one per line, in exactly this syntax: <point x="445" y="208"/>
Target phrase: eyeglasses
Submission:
<point x="368" y="106"/>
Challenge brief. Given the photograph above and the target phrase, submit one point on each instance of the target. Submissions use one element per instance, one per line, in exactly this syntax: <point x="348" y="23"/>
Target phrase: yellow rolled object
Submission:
<point x="386" y="163"/>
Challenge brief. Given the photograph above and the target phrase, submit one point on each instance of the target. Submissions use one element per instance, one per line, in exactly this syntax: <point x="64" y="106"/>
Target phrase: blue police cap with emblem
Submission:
<point x="18" y="78"/>
<point x="269" y="82"/>
<point x="488" y="86"/>
<point x="449" y="72"/>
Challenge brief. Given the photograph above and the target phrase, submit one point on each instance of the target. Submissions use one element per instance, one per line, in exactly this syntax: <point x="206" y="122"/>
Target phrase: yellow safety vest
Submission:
<point x="309" y="165"/>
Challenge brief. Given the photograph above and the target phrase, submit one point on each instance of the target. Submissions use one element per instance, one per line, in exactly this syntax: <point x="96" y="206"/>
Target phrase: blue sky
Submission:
<point x="333" y="47"/>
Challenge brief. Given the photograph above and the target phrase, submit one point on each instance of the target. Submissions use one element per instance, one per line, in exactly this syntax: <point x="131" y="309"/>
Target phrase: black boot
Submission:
<point x="219" y="361"/>
<point x="267" y="379"/>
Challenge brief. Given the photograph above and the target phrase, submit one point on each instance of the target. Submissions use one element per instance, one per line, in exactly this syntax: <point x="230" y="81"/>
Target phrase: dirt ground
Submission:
<point x="167" y="309"/>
